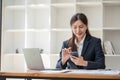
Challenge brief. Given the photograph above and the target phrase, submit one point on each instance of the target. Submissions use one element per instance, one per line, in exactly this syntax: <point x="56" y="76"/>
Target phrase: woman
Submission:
<point x="89" y="48"/>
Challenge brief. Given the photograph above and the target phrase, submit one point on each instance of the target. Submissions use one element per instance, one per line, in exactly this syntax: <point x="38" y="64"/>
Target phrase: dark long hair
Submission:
<point x="83" y="18"/>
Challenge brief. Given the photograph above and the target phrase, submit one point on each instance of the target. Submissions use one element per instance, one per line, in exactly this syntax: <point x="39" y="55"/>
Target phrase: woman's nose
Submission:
<point x="78" y="30"/>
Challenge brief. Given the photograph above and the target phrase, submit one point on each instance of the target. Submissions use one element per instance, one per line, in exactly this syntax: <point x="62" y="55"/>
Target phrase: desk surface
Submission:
<point x="38" y="74"/>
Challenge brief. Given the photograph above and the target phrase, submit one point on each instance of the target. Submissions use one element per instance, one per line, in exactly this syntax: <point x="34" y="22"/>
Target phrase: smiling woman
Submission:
<point x="89" y="48"/>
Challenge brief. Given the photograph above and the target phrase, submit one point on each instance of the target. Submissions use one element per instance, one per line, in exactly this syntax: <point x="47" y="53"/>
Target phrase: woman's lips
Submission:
<point x="79" y="33"/>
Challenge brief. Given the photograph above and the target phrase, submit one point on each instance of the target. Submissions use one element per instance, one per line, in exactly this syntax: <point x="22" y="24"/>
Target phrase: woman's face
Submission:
<point x="79" y="29"/>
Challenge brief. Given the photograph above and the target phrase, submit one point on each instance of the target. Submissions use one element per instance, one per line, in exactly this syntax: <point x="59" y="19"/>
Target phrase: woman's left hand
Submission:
<point x="79" y="60"/>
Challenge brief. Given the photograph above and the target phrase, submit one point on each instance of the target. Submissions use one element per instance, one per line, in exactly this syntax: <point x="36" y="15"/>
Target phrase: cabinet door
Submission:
<point x="13" y="25"/>
<point x="111" y="23"/>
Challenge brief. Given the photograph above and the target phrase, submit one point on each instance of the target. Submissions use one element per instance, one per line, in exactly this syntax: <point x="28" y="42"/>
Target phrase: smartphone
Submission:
<point x="74" y="54"/>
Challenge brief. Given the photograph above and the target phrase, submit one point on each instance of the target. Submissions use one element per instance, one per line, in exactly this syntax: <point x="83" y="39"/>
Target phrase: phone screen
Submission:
<point x="74" y="54"/>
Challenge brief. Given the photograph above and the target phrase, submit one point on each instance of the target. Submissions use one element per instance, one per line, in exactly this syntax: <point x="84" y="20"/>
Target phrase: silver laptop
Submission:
<point x="33" y="58"/>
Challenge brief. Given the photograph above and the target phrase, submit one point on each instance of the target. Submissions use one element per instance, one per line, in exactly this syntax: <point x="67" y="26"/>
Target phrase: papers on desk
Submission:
<point x="77" y="71"/>
<point x="55" y="71"/>
<point x="113" y="72"/>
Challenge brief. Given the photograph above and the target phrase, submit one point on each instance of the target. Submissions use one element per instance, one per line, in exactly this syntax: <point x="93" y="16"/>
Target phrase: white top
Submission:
<point x="80" y="45"/>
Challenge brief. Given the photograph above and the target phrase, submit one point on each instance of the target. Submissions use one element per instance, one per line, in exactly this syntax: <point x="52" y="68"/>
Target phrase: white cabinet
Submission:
<point x="111" y="18"/>
<point x="112" y="61"/>
<point x="26" y="23"/>
<point x="46" y="23"/>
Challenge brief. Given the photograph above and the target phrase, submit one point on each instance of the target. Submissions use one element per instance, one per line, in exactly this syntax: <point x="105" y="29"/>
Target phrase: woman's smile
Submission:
<point x="80" y="33"/>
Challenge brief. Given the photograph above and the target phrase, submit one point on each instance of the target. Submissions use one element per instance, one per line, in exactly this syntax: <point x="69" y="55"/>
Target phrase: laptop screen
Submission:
<point x="33" y="58"/>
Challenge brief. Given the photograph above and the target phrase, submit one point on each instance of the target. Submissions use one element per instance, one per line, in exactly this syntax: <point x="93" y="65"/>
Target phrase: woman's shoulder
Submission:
<point x="65" y="44"/>
<point x="65" y="41"/>
<point x="93" y="38"/>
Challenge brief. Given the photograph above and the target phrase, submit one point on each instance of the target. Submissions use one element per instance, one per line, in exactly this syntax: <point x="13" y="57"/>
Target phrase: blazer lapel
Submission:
<point x="85" y="45"/>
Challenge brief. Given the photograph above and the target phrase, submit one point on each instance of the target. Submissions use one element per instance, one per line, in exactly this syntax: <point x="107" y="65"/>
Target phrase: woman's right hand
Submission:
<point x="65" y="54"/>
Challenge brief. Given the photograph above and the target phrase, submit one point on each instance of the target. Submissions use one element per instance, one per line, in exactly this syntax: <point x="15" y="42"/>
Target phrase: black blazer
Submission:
<point x="92" y="52"/>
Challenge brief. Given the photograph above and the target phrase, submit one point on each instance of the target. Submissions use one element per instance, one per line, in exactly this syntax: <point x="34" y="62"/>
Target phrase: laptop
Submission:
<point x="33" y="58"/>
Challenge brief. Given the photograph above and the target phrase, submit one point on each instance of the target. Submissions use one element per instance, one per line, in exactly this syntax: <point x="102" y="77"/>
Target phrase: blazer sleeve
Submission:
<point x="99" y="61"/>
<point x="59" y="63"/>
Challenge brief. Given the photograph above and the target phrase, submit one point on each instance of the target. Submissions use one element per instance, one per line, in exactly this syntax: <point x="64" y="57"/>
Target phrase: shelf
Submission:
<point x="89" y="3"/>
<point x="109" y="18"/>
<point x="61" y="5"/>
<point x="13" y="54"/>
<point x="68" y="29"/>
<point x="38" y="6"/>
<point x="15" y="30"/>
<point x="27" y="30"/>
<point x="88" y="0"/>
<point x="55" y="29"/>
<point x="62" y="1"/>
<point x="36" y="2"/>
<point x="37" y="30"/>
<point x="95" y="29"/>
<point x="13" y="2"/>
<point x="38" y="18"/>
<point x="111" y="28"/>
<point x="21" y="54"/>
<point x="13" y="19"/>
<point x="93" y="14"/>
<point x="60" y="17"/>
<point x="12" y="41"/>
<point x="114" y="37"/>
<point x="111" y="2"/>
<point x="113" y="55"/>
<point x="16" y="7"/>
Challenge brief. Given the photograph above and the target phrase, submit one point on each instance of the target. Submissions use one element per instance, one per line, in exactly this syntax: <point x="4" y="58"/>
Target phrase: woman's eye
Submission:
<point x="81" y="26"/>
<point x="75" y="27"/>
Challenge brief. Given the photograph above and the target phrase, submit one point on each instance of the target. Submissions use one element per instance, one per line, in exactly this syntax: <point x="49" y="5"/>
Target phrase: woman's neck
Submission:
<point x="79" y="40"/>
